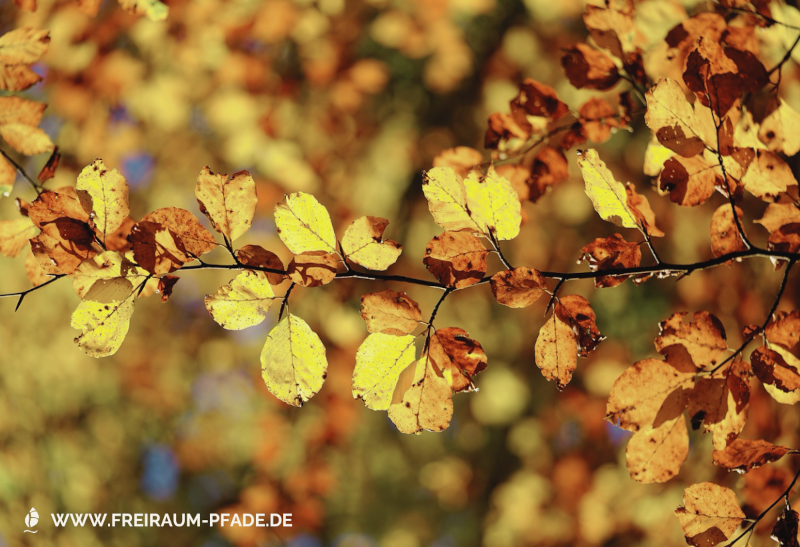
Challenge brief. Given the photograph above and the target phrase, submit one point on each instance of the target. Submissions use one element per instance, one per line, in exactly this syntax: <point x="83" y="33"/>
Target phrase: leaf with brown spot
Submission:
<point x="103" y="195"/>
<point x="612" y="27"/>
<point x="768" y="176"/>
<point x="778" y="368"/>
<point x="313" y="268"/>
<point x="784" y="329"/>
<point x="785" y="529"/>
<point x="597" y="119"/>
<point x="538" y="99"/>
<point x="25" y="139"/>
<point x="165" y="285"/>
<point x="555" y="350"/>
<point x="243" y="302"/>
<point x="57" y="255"/>
<point x="785" y="239"/>
<point x="518" y="287"/>
<point x="255" y="255"/>
<point x="549" y="169"/>
<point x="743" y="455"/>
<point x="704" y="339"/>
<point x="228" y="202"/>
<point x="779" y="129"/>
<point x="779" y="214"/>
<point x="689" y="181"/>
<point x="363" y="244"/>
<point x="724" y="233"/>
<point x="458" y="357"/>
<point x="720" y="402"/>
<point x="390" y="312"/>
<point x="106" y="266"/>
<point x="51" y="207"/>
<point x="503" y="127"/>
<point x="655" y="454"/>
<point x="456" y="259"/>
<point x="157" y="249"/>
<point x="710" y="514"/>
<point x="589" y="68"/>
<point x="640" y="207"/>
<point x="611" y="253"/>
<point x="427" y="404"/>
<point x="195" y="238"/>
<point x="461" y="159"/>
<point x="684" y="130"/>
<point x="652" y="391"/>
<point x="576" y="311"/>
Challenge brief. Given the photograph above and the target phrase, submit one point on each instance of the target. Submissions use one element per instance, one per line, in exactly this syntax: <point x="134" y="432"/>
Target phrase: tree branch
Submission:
<point x="23" y="294"/>
<point x="37" y="187"/>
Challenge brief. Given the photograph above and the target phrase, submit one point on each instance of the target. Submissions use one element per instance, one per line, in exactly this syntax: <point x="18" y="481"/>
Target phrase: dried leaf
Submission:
<point x="785" y="529"/>
<point x="767" y="176"/>
<point x="517" y="288"/>
<point x="379" y="361"/>
<point x="57" y="255"/>
<point x="777" y="367"/>
<point x="293" y="362"/>
<point x="640" y="207"/>
<point x="456" y="259"/>
<point x="684" y="130"/>
<point x="779" y="214"/>
<point x="720" y="402"/>
<point x="555" y="350"/>
<point x="710" y="514"/>
<point x="779" y="130"/>
<point x="597" y="119"/>
<point x="724" y="233"/>
<point x="743" y="455"/>
<point x="8" y="174"/>
<point x="304" y="224"/>
<point x="458" y="357"/>
<point x="589" y="68"/>
<point x="228" y="202"/>
<point x="390" y="312"/>
<point x="363" y="244"/>
<point x="157" y="249"/>
<point x="461" y="159"/>
<point x="104" y="196"/>
<point x="655" y="455"/>
<point x="14" y="235"/>
<point x="549" y="168"/>
<point x="255" y="255"/>
<point x="184" y="225"/>
<point x="19" y="110"/>
<point x="576" y="311"/>
<point x="704" y="339"/>
<point x="23" y="46"/>
<point x="25" y="139"/>
<point x="784" y="329"/>
<point x="538" y="99"/>
<point x="49" y="169"/>
<point x="165" y="285"/>
<point x="313" y="268"/>
<point x="689" y="181"/>
<point x="611" y="253"/>
<point x="242" y="303"/>
<point x="34" y="271"/>
<point x="105" y="266"/>
<point x="17" y="77"/>
<point x="427" y="404"/>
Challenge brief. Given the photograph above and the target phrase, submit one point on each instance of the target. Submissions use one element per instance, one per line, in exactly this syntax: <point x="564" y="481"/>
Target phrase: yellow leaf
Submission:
<point x="104" y="324"/>
<point x="363" y="244"/>
<point x="710" y="514"/>
<point x="379" y="361"/>
<point x="14" y="234"/>
<point x="447" y="200"/>
<point x="779" y="130"/>
<point x="105" y="266"/>
<point x="655" y="454"/>
<point x="8" y="174"/>
<point x="493" y="204"/>
<point x="427" y="404"/>
<point x="768" y="176"/>
<point x="25" y="139"/>
<point x="293" y="362"/>
<point x="304" y="224"/>
<point x="556" y="350"/>
<point x="681" y="128"/>
<point x="104" y="195"/>
<point x="153" y="9"/>
<point x="23" y="46"/>
<point x="607" y="194"/>
<point x="19" y="110"/>
<point x="242" y="303"/>
<point x="229" y="203"/>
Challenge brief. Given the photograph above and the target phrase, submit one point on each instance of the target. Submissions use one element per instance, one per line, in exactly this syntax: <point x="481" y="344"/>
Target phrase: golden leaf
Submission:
<point x="379" y="361"/>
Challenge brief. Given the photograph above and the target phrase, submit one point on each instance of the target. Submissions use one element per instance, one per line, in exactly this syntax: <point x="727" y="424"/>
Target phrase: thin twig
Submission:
<point x="786" y="57"/>
<point x="433" y="316"/>
<point x="496" y="244"/>
<point x="756" y="14"/>
<point x="37" y="187"/>
<point x="554" y="295"/>
<point x="643" y="229"/>
<point x="23" y="294"/>
<point x="286" y="299"/>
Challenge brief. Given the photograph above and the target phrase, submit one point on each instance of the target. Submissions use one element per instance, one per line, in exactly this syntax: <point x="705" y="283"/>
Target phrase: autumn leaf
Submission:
<point x="166" y="284"/>
<point x="720" y="402"/>
<point x="493" y="205"/>
<point x="779" y="214"/>
<point x="555" y="350"/>
<point x="243" y="302"/>
<point x="704" y="339"/>
<point x="153" y="9"/>
<point x="576" y="311"/>
<point x="363" y="244"/>
<point x="228" y="202"/>
<point x="304" y="224"/>
<point x="779" y="371"/>
<point x="49" y="169"/>
<point x="104" y="196"/>
<point x="18" y="49"/>
<point x="778" y="129"/>
<point x="743" y="455"/>
<point x="608" y="196"/>
<point x="784" y="329"/>
<point x="456" y="259"/>
<point x="313" y="268"/>
<point x="518" y="287"/>
<point x="640" y="207"/>
<point x="461" y="159"/>
<point x="458" y="357"/>
<point x="549" y="169"/>
<point x="538" y="99"/>
<point x="105" y="266"/>
<point x="767" y="176"/>
<point x="597" y="119"/>
<point x="25" y="139"/>
<point x="447" y="200"/>
<point x="655" y="454"/>
<point x="157" y="249"/>
<point x="785" y="529"/>
<point x="257" y="256"/>
<point x="379" y="361"/>
<point x="710" y="514"/>
<point x="14" y="235"/>
<point x="611" y="253"/>
<point x="8" y="174"/>
<point x="21" y="111"/>
<point x="589" y="68"/>
<point x="104" y="324"/>
<point x="612" y="27"/>
<point x="725" y="237"/>
<point x="684" y="130"/>
<point x="689" y="181"/>
<point x="390" y="312"/>
<point x="293" y="362"/>
<point x="428" y="402"/>
<point x="35" y="273"/>
<point x="58" y="255"/>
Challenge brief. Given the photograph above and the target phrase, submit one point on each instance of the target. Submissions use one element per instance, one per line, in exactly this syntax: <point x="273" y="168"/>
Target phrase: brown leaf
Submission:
<point x="228" y="202"/>
<point x="23" y="46"/>
<point x="771" y="367"/>
<point x="34" y="270"/>
<point x="598" y="119"/>
<point x="611" y="27"/>
<point x="390" y="312"/>
<point x="57" y="255"/>
<point x="17" y="77"/>
<point x="517" y="288"/>
<point x="689" y="181"/>
<point x="555" y="350"/>
<point x="458" y="357"/>
<point x="785" y="239"/>
<point x="118" y="239"/>
<point x="427" y="404"/>
<point x="538" y="99"/>
<point x="25" y="139"/>
<point x="611" y="253"/>
<point x="704" y="339"/>
<point x="710" y="514"/>
<point x="49" y="169"/>
<point x="195" y="238"/>
<point x="461" y="159"/>
<point x="652" y="391"/>
<point x="640" y="207"/>
<point x="767" y="176"/>
<point x="14" y="235"/>
<point x="61" y="216"/>
<point x="589" y="68"/>
<point x="576" y="311"/>
<point x="255" y="255"/>
<point x="743" y="455"/>
<point x="779" y="214"/>
<point x="549" y="168"/>
<point x="19" y="110"/>
<point x="165" y="286"/>
<point x="655" y="455"/>
<point x="684" y="36"/>
<point x="785" y="529"/>
<point x="156" y="248"/>
<point x="313" y="268"/>
<point x="456" y="259"/>
<point x="784" y="329"/>
<point x="724" y="233"/>
<point x="503" y="127"/>
<point x="720" y="402"/>
<point x="684" y="129"/>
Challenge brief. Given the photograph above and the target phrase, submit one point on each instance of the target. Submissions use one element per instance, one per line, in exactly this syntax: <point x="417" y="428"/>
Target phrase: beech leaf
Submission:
<point x="228" y="202"/>
<point x="743" y="455"/>
<point x="456" y="259"/>
<point x="608" y="195"/>
<point x="710" y="514"/>
<point x="379" y="361"/>
<point x="363" y="244"/>
<point x="655" y="454"/>
<point x="304" y="224"/>
<point x="390" y="312"/>
<point x="518" y="287"/>
<point x="103" y="324"/>
<point x="243" y="302"/>
<point x="428" y="402"/>
<point x="104" y="196"/>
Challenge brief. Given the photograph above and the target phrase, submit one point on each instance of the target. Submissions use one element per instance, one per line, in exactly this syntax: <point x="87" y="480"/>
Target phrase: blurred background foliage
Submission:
<point x="349" y="100"/>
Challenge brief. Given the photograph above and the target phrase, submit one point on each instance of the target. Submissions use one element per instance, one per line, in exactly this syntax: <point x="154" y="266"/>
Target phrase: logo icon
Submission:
<point x="31" y="519"/>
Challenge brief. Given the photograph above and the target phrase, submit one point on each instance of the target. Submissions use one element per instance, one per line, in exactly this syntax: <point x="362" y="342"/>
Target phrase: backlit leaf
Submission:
<point x="313" y="268"/>
<point x="363" y="244"/>
<point x="153" y="9"/>
<point x="447" y="199"/>
<point x="611" y="253"/>
<point x="255" y="255"/>
<point x="767" y="176"/>
<point x="517" y="288"/>
<point x="785" y="529"/>
<point x="456" y="259"/>
<point x="228" y="202"/>
<point x="427" y="404"/>
<point x="608" y="196"/>
<point x="779" y="371"/>
<point x="25" y="139"/>
<point x="104" y="195"/>
<point x="19" y="110"/>
<point x="293" y="362"/>
<point x="243" y="302"/>
<point x="304" y="224"/>
<point x="655" y="454"/>
<point x="720" y="402"/>
<point x="556" y="353"/>
<point x="779" y="130"/>
<point x="23" y="46"/>
<point x="14" y="235"/>
<point x="784" y="329"/>
<point x="684" y="130"/>
<point x="493" y="204"/>
<point x="458" y="357"/>
<point x="704" y="339"/>
<point x="390" y="312"/>
<point x="724" y="233"/>
<point x="379" y="361"/>
<point x="103" y="324"/>
<point x="743" y="455"/>
<point x="710" y="514"/>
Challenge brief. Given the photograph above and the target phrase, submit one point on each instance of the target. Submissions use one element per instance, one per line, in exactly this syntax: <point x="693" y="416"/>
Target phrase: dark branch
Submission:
<point x="23" y="294"/>
<point x="37" y="187"/>
<point x="286" y="299"/>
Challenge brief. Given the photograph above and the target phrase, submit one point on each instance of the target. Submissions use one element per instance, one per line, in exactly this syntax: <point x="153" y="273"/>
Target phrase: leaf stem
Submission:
<point x="285" y="301"/>
<point x="21" y="171"/>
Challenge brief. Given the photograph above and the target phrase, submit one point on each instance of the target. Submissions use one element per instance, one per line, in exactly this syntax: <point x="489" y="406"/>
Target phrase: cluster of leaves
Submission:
<point x="704" y="140"/>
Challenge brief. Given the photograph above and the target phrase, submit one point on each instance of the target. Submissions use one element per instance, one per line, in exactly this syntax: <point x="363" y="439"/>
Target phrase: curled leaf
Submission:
<point x="363" y="243"/>
<point x="743" y="455"/>
<point x="518" y="287"/>
<point x="456" y="259"/>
